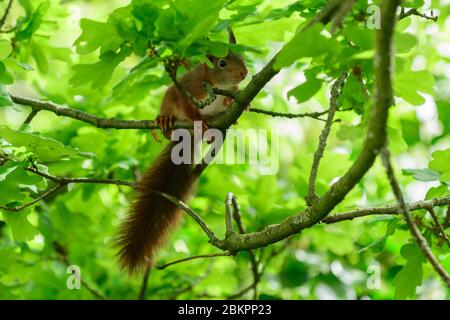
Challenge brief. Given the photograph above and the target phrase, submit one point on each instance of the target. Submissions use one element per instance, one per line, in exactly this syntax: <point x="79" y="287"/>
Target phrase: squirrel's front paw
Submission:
<point x="165" y="122"/>
<point x="228" y="101"/>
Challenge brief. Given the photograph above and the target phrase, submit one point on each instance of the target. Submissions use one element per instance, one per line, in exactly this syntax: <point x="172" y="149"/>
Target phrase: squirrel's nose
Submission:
<point x="244" y="73"/>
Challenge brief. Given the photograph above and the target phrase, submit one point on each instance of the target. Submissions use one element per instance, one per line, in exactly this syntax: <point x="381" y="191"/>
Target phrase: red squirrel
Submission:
<point x="152" y="217"/>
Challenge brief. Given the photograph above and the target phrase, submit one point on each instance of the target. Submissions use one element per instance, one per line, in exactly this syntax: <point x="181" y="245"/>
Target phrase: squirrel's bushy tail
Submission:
<point x="152" y="217"/>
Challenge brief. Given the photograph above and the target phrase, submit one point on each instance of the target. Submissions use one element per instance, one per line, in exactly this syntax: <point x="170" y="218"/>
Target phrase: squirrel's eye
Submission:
<point x="222" y="63"/>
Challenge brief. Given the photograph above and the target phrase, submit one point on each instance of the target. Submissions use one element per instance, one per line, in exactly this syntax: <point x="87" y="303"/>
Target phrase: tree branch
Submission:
<point x="5" y="15"/>
<point x="413" y="12"/>
<point x="62" y="182"/>
<point x="334" y="105"/>
<point x="212" y="238"/>
<point x="314" y="115"/>
<point x="438" y="225"/>
<point x="273" y="254"/>
<point x="202" y="256"/>
<point x="30" y="118"/>
<point x="66" y="180"/>
<point x="253" y="262"/>
<point x="447" y="218"/>
<point x="228" y="214"/>
<point x="395" y="209"/>
<point x="39" y="198"/>
<point x="59" y="110"/>
<point x="191" y="286"/>
<point x="144" y="286"/>
<point x="241" y="100"/>
<point x="418" y="237"/>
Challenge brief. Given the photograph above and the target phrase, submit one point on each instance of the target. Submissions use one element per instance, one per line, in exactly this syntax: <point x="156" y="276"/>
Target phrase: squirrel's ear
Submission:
<point x="231" y="37"/>
<point x="212" y="60"/>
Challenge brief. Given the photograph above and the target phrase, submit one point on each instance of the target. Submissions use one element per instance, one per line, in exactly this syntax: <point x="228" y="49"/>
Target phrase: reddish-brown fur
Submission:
<point x="152" y="217"/>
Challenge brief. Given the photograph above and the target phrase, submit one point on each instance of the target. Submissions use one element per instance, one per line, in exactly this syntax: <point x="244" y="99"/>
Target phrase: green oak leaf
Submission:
<point x="45" y="149"/>
<point x="408" y="84"/>
<point x="413" y="3"/>
<point x="353" y="94"/>
<point x="436" y="192"/>
<point x="21" y="228"/>
<point x="5" y="99"/>
<point x="6" y="78"/>
<point x="146" y="13"/>
<point x="16" y="182"/>
<point x="294" y="273"/>
<point x="441" y="164"/>
<point x="410" y="128"/>
<point x="199" y="18"/>
<point x="99" y="74"/>
<point x="410" y="276"/>
<point x="309" y="43"/>
<point x="361" y="37"/>
<point x="35" y="22"/>
<point x="5" y="49"/>
<point x="96" y="35"/>
<point x="443" y="109"/>
<point x="422" y="174"/>
<point x="136" y="85"/>
<point x="404" y="42"/>
<point x="306" y="90"/>
<point x="396" y="141"/>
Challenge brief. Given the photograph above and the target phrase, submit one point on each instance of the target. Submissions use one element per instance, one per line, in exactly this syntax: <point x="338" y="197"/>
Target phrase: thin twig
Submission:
<point x="144" y="286"/>
<point x="314" y="115"/>
<point x="328" y="13"/>
<point x="5" y="15"/>
<point x="447" y="219"/>
<point x="62" y="182"/>
<point x="275" y="252"/>
<point x="41" y="197"/>
<point x="228" y="214"/>
<point x="191" y="286"/>
<point x="104" y="123"/>
<point x="418" y="237"/>
<point x="66" y="180"/>
<point x="212" y="238"/>
<point x="439" y="225"/>
<point x="413" y="12"/>
<point x="334" y="105"/>
<point x="93" y="291"/>
<point x="341" y="13"/>
<point x="253" y="263"/>
<point x="30" y="118"/>
<point x="394" y="209"/>
<point x="201" y="256"/>
<point x="108" y="123"/>
<point x="241" y="292"/>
